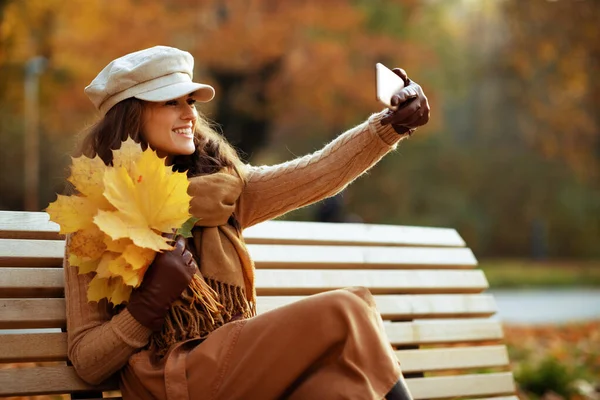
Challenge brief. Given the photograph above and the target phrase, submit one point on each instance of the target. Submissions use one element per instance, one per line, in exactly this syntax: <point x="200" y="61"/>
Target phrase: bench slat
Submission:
<point x="293" y="257"/>
<point x="33" y="347"/>
<point x="439" y="331"/>
<point x="36" y="225"/>
<point x="63" y="379"/>
<point x="27" y="225"/>
<point x="464" y="385"/>
<point x="48" y="282"/>
<point x="452" y="358"/>
<point x="46" y="380"/>
<point x="411" y="306"/>
<point x="49" y="313"/>
<point x="38" y="253"/>
<point x="295" y="232"/>
<point x="300" y="282"/>
<point x="31" y="282"/>
<point x="32" y="313"/>
<point x="31" y="253"/>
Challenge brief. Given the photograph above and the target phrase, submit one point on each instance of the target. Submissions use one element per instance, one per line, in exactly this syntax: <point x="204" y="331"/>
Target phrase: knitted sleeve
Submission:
<point x="274" y="190"/>
<point x="99" y="344"/>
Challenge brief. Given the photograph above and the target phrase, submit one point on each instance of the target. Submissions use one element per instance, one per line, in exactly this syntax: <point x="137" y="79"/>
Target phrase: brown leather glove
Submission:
<point x="166" y="278"/>
<point x="412" y="107"/>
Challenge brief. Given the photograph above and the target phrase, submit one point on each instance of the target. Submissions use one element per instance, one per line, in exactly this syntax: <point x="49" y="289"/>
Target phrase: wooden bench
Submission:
<point x="425" y="281"/>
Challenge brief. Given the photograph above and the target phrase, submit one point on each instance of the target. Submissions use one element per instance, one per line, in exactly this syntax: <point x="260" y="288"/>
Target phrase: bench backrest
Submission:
<point x="425" y="282"/>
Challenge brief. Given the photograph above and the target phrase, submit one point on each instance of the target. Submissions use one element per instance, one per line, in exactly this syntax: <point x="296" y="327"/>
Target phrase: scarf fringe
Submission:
<point x="205" y="305"/>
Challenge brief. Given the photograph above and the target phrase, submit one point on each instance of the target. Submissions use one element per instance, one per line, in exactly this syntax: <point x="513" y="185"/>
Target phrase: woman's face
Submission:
<point x="168" y="126"/>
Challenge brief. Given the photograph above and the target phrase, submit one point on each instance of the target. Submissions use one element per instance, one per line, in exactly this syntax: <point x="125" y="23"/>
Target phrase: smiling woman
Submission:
<point x="176" y="340"/>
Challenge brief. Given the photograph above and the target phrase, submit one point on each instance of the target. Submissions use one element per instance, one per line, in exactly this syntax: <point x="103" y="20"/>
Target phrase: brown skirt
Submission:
<point x="328" y="346"/>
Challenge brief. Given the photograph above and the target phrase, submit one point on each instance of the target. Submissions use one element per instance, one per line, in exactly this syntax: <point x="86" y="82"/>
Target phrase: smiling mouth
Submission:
<point x="187" y="132"/>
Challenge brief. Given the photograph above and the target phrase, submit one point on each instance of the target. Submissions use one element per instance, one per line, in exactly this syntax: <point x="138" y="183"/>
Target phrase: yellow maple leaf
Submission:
<point x="72" y="213"/>
<point x="149" y="200"/>
<point x="112" y="289"/>
<point x="129" y="264"/>
<point x="138" y="257"/>
<point x="117" y="246"/>
<point x="84" y="265"/>
<point x="98" y="289"/>
<point x="88" y="243"/>
<point x="120" y="293"/>
<point x="86" y="176"/>
<point x="127" y="155"/>
<point x="169" y="207"/>
<point x="117" y="267"/>
<point x="129" y="276"/>
<point x="115" y="226"/>
<point x="103" y="268"/>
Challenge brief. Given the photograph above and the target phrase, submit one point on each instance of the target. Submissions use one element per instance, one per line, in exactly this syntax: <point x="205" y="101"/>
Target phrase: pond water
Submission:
<point x="543" y="306"/>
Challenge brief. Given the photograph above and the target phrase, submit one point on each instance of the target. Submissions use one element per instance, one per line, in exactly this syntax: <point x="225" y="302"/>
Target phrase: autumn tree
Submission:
<point x="552" y="57"/>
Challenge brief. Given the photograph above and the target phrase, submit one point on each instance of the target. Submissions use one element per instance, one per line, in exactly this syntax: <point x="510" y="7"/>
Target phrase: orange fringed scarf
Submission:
<point x="224" y="290"/>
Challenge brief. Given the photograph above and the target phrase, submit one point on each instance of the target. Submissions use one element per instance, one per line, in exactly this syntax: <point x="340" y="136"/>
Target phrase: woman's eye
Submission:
<point x="191" y="102"/>
<point x="171" y="103"/>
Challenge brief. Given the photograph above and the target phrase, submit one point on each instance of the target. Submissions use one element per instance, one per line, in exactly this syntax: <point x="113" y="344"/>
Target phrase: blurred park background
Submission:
<point x="510" y="158"/>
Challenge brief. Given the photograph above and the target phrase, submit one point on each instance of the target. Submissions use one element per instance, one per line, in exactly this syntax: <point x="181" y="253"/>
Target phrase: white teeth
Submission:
<point x="184" y="131"/>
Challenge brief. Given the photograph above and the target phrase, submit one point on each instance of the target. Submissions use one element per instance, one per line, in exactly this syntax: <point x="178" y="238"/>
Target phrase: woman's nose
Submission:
<point x="189" y="113"/>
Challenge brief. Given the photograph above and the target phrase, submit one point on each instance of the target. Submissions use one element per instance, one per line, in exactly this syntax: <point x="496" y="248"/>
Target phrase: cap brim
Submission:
<point x="201" y="92"/>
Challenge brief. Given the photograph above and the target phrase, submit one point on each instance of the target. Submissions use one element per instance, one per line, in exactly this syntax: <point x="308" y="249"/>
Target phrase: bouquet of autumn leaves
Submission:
<point x="118" y="216"/>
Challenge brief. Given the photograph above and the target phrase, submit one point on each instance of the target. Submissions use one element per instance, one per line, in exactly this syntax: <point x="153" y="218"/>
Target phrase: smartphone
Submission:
<point x="387" y="83"/>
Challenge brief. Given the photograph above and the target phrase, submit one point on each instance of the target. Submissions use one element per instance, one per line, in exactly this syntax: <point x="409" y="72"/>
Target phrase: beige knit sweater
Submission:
<point x="100" y="343"/>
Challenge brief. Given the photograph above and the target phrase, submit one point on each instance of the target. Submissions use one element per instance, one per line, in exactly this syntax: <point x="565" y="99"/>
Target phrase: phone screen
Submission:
<point x="387" y="84"/>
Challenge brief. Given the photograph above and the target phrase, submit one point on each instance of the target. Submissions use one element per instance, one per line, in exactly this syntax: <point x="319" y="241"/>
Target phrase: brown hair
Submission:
<point x="124" y="120"/>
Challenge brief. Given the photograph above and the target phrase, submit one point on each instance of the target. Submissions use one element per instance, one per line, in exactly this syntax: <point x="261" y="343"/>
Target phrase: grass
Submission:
<point x="523" y="273"/>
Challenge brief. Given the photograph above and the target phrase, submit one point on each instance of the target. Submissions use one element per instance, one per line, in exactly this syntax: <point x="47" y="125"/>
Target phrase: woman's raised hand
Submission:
<point x="411" y="106"/>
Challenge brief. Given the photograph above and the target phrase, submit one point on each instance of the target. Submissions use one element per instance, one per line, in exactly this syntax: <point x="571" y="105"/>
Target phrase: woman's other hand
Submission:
<point x="166" y="278"/>
<point x="411" y="106"/>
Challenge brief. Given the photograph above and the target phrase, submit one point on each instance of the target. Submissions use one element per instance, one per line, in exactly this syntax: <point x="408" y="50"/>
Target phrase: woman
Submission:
<point x="172" y="343"/>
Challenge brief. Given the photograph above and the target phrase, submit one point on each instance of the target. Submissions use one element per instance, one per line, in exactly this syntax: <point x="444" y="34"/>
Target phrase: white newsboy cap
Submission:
<point x="159" y="73"/>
